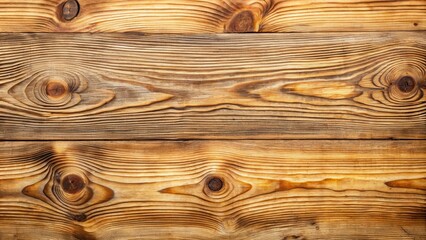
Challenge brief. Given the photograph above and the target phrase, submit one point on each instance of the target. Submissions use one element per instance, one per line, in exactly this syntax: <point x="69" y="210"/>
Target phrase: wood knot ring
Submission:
<point x="215" y="184"/>
<point x="242" y="22"/>
<point x="406" y="84"/>
<point x="70" y="10"/>
<point x="72" y="184"/>
<point x="55" y="89"/>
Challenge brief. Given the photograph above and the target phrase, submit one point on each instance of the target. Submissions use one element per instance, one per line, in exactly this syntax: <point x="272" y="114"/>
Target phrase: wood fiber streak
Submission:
<point x="211" y="16"/>
<point x="213" y="190"/>
<point x="269" y="86"/>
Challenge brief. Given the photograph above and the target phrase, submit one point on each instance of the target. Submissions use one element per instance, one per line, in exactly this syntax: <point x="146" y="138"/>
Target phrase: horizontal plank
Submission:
<point x="213" y="190"/>
<point x="269" y="86"/>
<point x="211" y="16"/>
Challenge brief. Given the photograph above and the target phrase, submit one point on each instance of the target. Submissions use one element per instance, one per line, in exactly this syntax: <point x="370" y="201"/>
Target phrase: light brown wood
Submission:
<point x="211" y="16"/>
<point x="314" y="129"/>
<point x="213" y="190"/>
<point x="268" y="86"/>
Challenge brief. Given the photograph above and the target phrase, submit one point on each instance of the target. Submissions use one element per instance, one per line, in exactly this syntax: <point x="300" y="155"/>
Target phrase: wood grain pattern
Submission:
<point x="269" y="86"/>
<point x="163" y="190"/>
<point x="211" y="16"/>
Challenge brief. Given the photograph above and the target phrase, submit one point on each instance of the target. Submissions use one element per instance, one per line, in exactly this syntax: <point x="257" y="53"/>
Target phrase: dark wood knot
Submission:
<point x="406" y="84"/>
<point x="243" y="21"/>
<point x="79" y="217"/>
<point x="215" y="184"/>
<point x="72" y="184"/>
<point x="70" y="10"/>
<point x="55" y="89"/>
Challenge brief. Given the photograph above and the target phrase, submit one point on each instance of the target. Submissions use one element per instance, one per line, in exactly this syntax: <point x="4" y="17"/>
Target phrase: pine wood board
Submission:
<point x="211" y="16"/>
<point x="223" y="86"/>
<point x="163" y="190"/>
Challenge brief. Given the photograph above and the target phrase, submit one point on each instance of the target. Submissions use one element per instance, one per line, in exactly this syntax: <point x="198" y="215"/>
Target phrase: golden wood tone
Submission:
<point x="210" y="16"/>
<point x="269" y="86"/>
<point x="314" y="129"/>
<point x="213" y="190"/>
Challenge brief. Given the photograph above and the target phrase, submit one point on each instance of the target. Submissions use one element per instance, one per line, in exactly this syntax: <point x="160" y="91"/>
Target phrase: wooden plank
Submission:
<point x="213" y="190"/>
<point x="272" y="86"/>
<point x="211" y="16"/>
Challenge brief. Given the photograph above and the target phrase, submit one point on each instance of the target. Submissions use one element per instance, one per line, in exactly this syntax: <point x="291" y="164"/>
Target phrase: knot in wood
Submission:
<point x="215" y="184"/>
<point x="72" y="184"/>
<point x="406" y="84"/>
<point x="79" y="217"/>
<point x="55" y="89"/>
<point x="243" y="21"/>
<point x="70" y="10"/>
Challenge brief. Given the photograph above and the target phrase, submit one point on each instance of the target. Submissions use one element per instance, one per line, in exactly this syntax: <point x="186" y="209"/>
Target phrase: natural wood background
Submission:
<point x="267" y="86"/>
<point x="156" y="189"/>
<point x="213" y="16"/>
<point x="314" y="129"/>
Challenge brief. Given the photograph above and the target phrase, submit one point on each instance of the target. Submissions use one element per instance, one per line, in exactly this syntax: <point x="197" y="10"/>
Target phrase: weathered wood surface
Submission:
<point x="269" y="86"/>
<point x="210" y="16"/>
<point x="213" y="190"/>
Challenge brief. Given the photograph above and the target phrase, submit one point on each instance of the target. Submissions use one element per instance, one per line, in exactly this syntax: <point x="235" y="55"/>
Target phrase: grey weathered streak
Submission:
<point x="230" y="86"/>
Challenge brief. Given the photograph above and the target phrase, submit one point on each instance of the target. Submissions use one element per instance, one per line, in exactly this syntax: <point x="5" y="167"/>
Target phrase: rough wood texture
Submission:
<point x="213" y="190"/>
<point x="210" y="16"/>
<point x="269" y="86"/>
